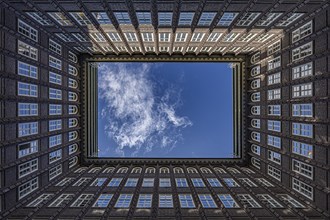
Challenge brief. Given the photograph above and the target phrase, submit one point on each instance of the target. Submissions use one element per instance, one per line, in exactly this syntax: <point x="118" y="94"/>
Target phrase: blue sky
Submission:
<point x="165" y="110"/>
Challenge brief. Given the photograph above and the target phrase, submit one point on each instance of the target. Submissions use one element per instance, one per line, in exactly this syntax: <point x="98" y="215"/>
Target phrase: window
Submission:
<point x="274" y="125"/>
<point x="98" y="37"/>
<point x="64" y="37"/>
<point x="55" y="171"/>
<point x="27" y="30"/>
<point x="233" y="170"/>
<point x="227" y="18"/>
<point x="205" y="170"/>
<point x="27" y="50"/>
<point x="27" y="148"/>
<point x="122" y="170"/>
<point x="206" y="18"/>
<point x="124" y="201"/>
<point x="103" y="201"/>
<point x="228" y="201"/>
<point x="255" y="58"/>
<point x="268" y="200"/>
<point x="302" y="71"/>
<point x="43" y="198"/>
<point x="255" y="149"/>
<point x="55" y="156"/>
<point x="81" y="181"/>
<point x="268" y="19"/>
<point x="288" y="20"/>
<point x="273" y="48"/>
<point x="219" y="170"/>
<point x="55" y="78"/>
<point x="73" y="148"/>
<point x="165" y="18"/>
<point x="248" y="182"/>
<point x="148" y="182"/>
<point x="27" y="188"/>
<point x="73" y="109"/>
<point x="73" y="122"/>
<point x="292" y="201"/>
<point x="247" y="18"/>
<point x="73" y="135"/>
<point x="55" y="94"/>
<point x="72" y="83"/>
<point x="27" y="109"/>
<point x="80" y="37"/>
<point x="247" y="170"/>
<point x="82" y="200"/>
<point x="230" y="37"/>
<point x="72" y="57"/>
<point x="302" y="149"/>
<point x="144" y="201"/>
<point x="26" y="129"/>
<point x="164" y="182"/>
<point x="274" y="110"/>
<point x="191" y="49"/>
<point x="302" y="110"/>
<point x="55" y="63"/>
<point x="62" y="200"/>
<point x="255" y="71"/>
<point x="144" y="17"/>
<point x="131" y="182"/>
<point x="148" y="36"/>
<point x="214" y="182"/>
<point x="274" y="78"/>
<point x="27" y="168"/>
<point x="264" y="182"/>
<point x="191" y="170"/>
<point x="81" y="18"/>
<point x="164" y="37"/>
<point x="255" y="110"/>
<point x="98" y="182"/>
<point x="102" y="17"/>
<point x="274" y="94"/>
<point x="186" y="201"/>
<point x="304" y="130"/>
<point x="73" y="161"/>
<point x="247" y="37"/>
<point x="181" y="182"/>
<point x="27" y="89"/>
<point x="255" y="162"/>
<point x="275" y="157"/>
<point x="274" y="63"/>
<point x="186" y="18"/>
<point x="55" y="140"/>
<point x="198" y="182"/>
<point x="230" y="182"/>
<point x="73" y="70"/>
<point x="64" y="181"/>
<point x="302" y="32"/>
<point x="255" y="97"/>
<point x="248" y="201"/>
<point x="55" y="109"/>
<point x="207" y="201"/>
<point x="53" y="46"/>
<point x="114" y="36"/>
<point x="181" y="37"/>
<point x="274" y="141"/>
<point x="214" y="37"/>
<point x="37" y="16"/>
<point x="302" y="188"/>
<point x="72" y="96"/>
<point x="123" y="18"/>
<point x="302" y="90"/>
<point x="115" y="182"/>
<point x="27" y="70"/>
<point x="150" y="170"/>
<point x="302" y="51"/>
<point x="165" y="201"/>
<point x="255" y="136"/>
<point x="60" y="18"/>
<point x="255" y="84"/>
<point x="275" y="173"/>
<point x="197" y="37"/>
<point x="255" y="123"/>
<point x="302" y="168"/>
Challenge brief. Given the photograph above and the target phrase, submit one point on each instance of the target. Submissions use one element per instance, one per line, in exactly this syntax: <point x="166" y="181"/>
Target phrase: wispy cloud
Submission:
<point x="137" y="118"/>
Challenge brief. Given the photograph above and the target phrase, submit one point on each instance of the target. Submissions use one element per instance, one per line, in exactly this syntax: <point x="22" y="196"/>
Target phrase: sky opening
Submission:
<point x="165" y="110"/>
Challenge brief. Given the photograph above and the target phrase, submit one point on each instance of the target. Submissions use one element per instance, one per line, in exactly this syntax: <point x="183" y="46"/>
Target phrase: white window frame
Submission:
<point x="274" y="172"/>
<point x="302" y="51"/>
<point x="27" y="30"/>
<point x="302" y="188"/>
<point x="27" y="50"/>
<point x="302" y="149"/>
<point x="302" y="71"/>
<point x="302" y="32"/>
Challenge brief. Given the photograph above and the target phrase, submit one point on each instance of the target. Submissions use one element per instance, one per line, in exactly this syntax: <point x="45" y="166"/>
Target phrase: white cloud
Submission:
<point x="136" y="117"/>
